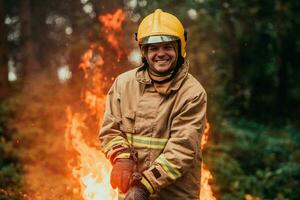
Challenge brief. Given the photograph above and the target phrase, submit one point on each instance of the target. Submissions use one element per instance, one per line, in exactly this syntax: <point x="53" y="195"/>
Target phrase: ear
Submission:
<point x="143" y="49"/>
<point x="143" y="53"/>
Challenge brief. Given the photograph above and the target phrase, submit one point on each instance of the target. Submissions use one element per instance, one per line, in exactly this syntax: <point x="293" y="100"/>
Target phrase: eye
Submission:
<point x="168" y="47"/>
<point x="152" y="48"/>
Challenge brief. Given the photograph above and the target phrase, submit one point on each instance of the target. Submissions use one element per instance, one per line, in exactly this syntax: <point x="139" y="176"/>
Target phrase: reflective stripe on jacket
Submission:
<point x="165" y="130"/>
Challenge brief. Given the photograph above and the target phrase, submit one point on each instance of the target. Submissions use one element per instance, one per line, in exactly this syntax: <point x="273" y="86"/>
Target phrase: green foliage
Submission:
<point x="255" y="159"/>
<point x="10" y="168"/>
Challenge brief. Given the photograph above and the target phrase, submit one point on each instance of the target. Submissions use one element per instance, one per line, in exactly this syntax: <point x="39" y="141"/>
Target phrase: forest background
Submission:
<point x="246" y="53"/>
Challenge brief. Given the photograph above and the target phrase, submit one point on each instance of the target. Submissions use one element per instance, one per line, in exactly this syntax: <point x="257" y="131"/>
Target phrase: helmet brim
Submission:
<point x="158" y="39"/>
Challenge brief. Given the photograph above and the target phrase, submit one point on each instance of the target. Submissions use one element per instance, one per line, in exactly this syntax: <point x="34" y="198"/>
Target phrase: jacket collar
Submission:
<point x="143" y="77"/>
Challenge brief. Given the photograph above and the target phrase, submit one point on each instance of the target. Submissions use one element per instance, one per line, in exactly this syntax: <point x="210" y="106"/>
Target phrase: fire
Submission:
<point x="112" y="26"/>
<point x="86" y="61"/>
<point x="205" y="135"/>
<point x="92" y="169"/>
<point x="206" y="176"/>
<point x="250" y="197"/>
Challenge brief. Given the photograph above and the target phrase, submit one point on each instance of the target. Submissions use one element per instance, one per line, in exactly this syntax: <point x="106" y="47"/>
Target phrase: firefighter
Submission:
<point x="154" y="118"/>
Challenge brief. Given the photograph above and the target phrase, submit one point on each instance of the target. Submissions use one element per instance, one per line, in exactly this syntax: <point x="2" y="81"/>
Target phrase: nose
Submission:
<point x="161" y="52"/>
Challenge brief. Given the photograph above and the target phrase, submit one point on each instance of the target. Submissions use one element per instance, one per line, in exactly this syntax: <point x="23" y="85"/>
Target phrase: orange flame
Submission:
<point x="112" y="25"/>
<point x="206" y="176"/>
<point x="204" y="139"/>
<point x="85" y="61"/>
<point x="250" y="197"/>
<point x="92" y="168"/>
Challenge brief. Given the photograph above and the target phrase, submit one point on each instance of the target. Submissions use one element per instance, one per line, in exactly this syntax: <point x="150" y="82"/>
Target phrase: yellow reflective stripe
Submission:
<point x="147" y="185"/>
<point x="146" y="142"/>
<point x="117" y="140"/>
<point x="170" y="168"/>
<point x="123" y="155"/>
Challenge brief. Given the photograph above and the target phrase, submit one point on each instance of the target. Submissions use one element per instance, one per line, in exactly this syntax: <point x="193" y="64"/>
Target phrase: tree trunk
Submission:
<point x="78" y="46"/>
<point x="230" y="34"/>
<point x="235" y="85"/>
<point x="4" y="85"/>
<point x="29" y="60"/>
<point x="282" y="62"/>
<point x="282" y="84"/>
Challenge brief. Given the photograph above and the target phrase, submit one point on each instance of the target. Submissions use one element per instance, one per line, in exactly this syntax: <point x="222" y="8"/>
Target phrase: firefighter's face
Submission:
<point x="162" y="57"/>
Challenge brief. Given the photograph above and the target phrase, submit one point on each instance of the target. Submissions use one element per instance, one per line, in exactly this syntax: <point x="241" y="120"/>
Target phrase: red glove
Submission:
<point x="121" y="173"/>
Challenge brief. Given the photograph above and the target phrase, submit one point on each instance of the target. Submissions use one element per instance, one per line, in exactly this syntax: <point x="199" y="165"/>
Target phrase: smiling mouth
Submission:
<point x="162" y="61"/>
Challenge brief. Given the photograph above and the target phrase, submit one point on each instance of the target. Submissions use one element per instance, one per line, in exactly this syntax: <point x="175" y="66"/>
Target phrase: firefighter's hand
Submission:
<point x="138" y="192"/>
<point x="121" y="174"/>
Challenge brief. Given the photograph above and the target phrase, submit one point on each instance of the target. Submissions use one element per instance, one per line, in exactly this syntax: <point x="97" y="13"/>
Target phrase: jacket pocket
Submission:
<point x="128" y="120"/>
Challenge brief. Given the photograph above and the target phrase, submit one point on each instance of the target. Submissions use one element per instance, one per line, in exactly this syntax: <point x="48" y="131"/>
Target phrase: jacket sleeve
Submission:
<point x="113" y="141"/>
<point x="183" y="145"/>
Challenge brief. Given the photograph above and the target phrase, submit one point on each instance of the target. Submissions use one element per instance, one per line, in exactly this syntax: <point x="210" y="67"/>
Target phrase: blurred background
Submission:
<point x="246" y="54"/>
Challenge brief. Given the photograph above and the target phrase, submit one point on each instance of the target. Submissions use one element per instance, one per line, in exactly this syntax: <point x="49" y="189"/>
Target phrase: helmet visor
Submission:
<point x="158" y="39"/>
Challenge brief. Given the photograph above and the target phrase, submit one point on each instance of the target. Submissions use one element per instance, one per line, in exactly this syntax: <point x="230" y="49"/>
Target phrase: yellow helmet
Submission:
<point x="161" y="27"/>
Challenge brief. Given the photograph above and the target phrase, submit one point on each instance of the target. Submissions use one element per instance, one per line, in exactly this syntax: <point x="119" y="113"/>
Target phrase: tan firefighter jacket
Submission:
<point x="165" y="130"/>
